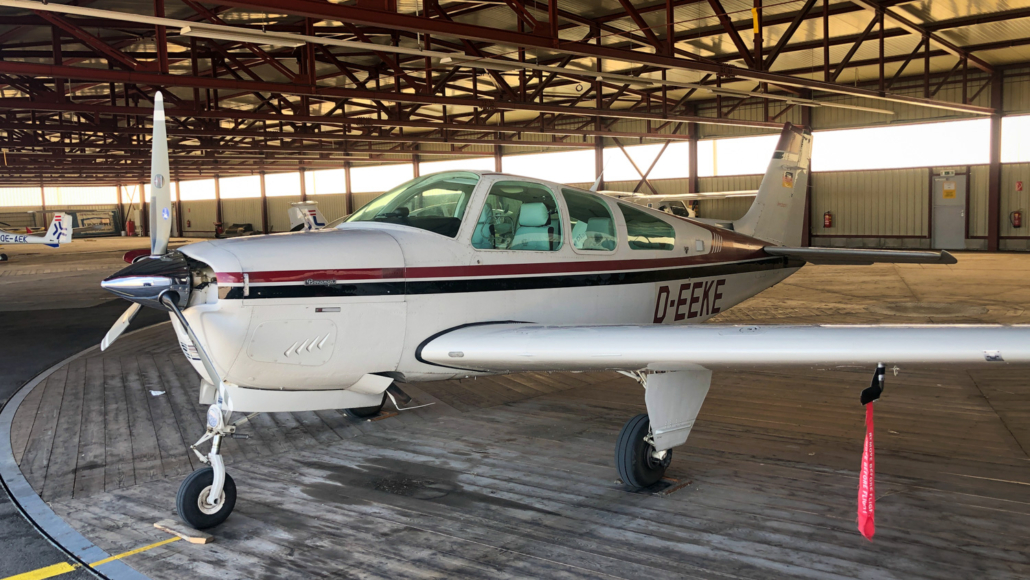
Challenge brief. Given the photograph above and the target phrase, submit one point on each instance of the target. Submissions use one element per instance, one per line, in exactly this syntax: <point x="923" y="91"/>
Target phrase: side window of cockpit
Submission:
<point x="592" y="225"/>
<point x="518" y="215"/>
<point x="647" y="232"/>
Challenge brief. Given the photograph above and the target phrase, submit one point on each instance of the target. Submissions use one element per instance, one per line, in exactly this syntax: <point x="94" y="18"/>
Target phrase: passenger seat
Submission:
<point x="535" y="229"/>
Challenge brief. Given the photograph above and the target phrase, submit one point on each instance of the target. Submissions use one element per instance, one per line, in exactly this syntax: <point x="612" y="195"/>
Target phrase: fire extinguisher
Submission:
<point x="1016" y="218"/>
<point x="827" y="220"/>
<point x="130" y="228"/>
<point x="188" y="224"/>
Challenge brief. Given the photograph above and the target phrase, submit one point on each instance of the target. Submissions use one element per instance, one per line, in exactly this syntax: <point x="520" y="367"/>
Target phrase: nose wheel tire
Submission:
<point x="366" y="412"/>
<point x="636" y="459"/>
<point x="192" y="500"/>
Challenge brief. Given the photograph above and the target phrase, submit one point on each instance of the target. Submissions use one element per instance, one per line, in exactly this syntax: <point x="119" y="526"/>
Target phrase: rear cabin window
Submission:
<point x="518" y="215"/>
<point x="647" y="232"/>
<point x="593" y="228"/>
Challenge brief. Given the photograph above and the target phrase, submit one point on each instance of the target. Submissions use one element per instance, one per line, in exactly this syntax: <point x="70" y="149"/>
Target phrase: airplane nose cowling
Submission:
<point x="305" y="310"/>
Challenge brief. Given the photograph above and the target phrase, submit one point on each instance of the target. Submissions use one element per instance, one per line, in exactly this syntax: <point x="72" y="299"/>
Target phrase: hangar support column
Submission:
<point x="218" y="206"/>
<point x="346" y="188"/>
<point x="994" y="171"/>
<point x="264" y="203"/>
<point x="144" y="216"/>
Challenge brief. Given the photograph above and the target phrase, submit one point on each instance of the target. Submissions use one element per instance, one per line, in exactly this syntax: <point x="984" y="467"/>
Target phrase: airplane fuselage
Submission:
<point x="320" y="310"/>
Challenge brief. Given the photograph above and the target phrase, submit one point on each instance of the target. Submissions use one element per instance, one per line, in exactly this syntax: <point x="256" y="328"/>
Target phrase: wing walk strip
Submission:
<point x="65" y="567"/>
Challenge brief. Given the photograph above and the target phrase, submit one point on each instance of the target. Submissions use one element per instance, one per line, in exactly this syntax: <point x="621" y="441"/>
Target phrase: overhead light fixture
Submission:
<point x="255" y="37"/>
<point x="446" y="60"/>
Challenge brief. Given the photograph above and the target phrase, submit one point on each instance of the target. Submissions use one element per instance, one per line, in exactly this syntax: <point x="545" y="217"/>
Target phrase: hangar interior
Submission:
<point x="243" y="110"/>
<point x="921" y="116"/>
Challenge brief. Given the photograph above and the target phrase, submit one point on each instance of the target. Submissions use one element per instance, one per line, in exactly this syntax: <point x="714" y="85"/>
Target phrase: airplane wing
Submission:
<point x="516" y="347"/>
<point x="861" y="257"/>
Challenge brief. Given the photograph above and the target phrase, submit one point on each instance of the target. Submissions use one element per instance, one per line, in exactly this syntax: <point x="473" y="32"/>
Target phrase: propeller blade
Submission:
<point x="119" y="326"/>
<point x="160" y="184"/>
<point x="209" y="365"/>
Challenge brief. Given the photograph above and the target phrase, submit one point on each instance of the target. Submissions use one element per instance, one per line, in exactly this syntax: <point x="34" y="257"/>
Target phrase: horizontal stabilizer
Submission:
<point x="861" y="257"/>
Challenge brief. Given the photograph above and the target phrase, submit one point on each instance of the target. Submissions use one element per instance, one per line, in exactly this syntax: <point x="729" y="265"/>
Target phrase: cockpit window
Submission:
<point x="435" y="202"/>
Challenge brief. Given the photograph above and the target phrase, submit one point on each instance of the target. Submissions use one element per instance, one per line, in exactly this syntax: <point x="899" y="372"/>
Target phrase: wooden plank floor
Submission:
<point x="513" y="477"/>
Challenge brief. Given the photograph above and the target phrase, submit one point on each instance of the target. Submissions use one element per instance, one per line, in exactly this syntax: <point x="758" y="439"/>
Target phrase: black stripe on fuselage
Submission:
<point x="463" y="285"/>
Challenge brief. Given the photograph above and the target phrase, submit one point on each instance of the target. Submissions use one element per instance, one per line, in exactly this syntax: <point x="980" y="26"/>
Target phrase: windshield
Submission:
<point x="435" y="202"/>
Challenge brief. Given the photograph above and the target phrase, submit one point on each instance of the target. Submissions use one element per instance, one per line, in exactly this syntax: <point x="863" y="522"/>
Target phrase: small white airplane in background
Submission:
<point x="304" y="215"/>
<point x="468" y="273"/>
<point x="59" y="232"/>
<point x="680" y="204"/>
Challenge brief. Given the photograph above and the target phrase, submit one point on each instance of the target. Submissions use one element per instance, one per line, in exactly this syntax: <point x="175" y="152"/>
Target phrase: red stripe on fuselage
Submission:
<point x="733" y="254"/>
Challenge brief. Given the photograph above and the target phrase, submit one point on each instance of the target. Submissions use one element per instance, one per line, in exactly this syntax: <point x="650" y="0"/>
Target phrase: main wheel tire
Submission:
<point x="3" y="257"/>
<point x="191" y="501"/>
<point x="633" y="459"/>
<point x="366" y="412"/>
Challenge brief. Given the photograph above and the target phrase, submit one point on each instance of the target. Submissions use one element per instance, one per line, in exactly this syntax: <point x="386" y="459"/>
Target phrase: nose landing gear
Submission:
<point x="208" y="495"/>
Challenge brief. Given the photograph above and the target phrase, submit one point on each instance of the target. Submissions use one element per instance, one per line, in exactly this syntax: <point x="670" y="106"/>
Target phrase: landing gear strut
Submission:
<point x="208" y="495"/>
<point x="638" y="462"/>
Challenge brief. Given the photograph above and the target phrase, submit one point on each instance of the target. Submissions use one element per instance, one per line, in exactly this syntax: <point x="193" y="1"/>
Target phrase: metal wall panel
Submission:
<point x="332" y="206"/>
<point x="278" y="212"/>
<point x="1012" y="200"/>
<point x="978" y="183"/>
<point x="242" y="211"/>
<point x="729" y="183"/>
<point x="1017" y="93"/>
<point x="361" y="199"/>
<point x="198" y="218"/>
<point x="732" y="208"/>
<point x="886" y="203"/>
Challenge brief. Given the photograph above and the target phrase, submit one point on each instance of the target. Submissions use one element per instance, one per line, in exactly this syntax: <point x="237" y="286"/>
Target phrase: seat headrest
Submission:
<point x="534" y="215"/>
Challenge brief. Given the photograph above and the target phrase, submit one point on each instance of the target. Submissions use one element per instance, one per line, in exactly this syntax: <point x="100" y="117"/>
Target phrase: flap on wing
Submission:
<point x="862" y="257"/>
<point x="513" y="347"/>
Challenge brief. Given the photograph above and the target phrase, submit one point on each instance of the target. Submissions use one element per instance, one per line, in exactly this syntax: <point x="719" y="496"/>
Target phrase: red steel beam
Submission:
<point x="187" y="81"/>
<point x="339" y="12"/>
<point x="91" y="41"/>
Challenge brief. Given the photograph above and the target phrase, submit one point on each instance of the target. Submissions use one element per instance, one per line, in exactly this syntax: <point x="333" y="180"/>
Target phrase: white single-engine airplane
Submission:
<point x="59" y="232"/>
<point x="469" y="273"/>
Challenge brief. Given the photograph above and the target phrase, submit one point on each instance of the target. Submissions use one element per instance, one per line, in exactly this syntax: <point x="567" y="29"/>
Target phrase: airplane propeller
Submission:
<point x="163" y="280"/>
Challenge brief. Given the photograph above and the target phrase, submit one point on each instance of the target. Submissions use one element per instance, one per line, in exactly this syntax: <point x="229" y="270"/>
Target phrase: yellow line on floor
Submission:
<point x="64" y="567"/>
<point x="134" y="552"/>
<point x="48" y="572"/>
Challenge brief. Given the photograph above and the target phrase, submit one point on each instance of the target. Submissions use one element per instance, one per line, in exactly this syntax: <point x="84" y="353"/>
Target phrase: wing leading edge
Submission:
<point x="512" y="347"/>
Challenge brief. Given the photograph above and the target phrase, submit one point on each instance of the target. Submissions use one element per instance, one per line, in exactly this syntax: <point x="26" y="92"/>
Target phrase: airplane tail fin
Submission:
<point x="304" y="215"/>
<point x="778" y="212"/>
<point x="60" y="231"/>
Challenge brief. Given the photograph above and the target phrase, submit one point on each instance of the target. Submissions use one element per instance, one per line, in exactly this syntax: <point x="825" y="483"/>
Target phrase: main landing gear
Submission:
<point x="643" y="450"/>
<point x="638" y="462"/>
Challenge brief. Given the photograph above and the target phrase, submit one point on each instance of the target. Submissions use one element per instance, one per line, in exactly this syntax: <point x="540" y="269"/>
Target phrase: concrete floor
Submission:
<point x="512" y="476"/>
